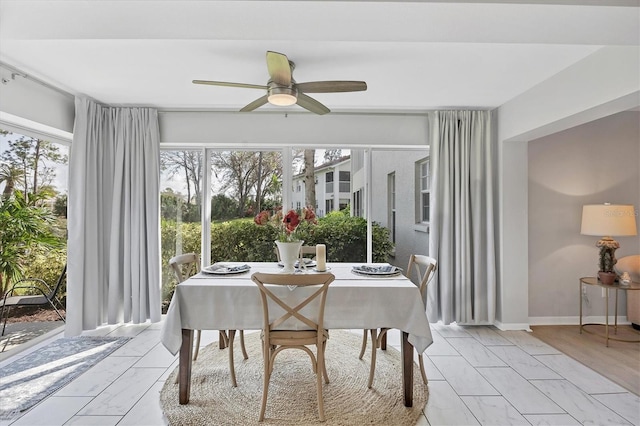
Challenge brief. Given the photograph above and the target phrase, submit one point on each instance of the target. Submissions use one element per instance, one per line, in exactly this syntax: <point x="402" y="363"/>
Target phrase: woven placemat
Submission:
<point x="292" y="391"/>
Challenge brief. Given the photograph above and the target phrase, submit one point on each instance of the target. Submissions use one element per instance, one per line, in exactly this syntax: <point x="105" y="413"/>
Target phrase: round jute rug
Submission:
<point x="292" y="391"/>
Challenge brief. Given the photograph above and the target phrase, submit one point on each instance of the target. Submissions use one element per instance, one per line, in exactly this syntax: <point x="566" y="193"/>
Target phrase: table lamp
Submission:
<point x="607" y="221"/>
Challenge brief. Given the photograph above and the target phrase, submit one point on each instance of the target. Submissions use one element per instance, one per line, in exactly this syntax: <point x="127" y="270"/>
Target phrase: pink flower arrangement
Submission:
<point x="286" y="224"/>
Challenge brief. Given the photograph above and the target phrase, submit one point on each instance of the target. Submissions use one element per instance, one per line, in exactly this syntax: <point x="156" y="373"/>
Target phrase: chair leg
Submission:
<point x="424" y="374"/>
<point x="364" y="344"/>
<point x="57" y="311"/>
<point x="244" y="351"/>
<point x="372" y="367"/>
<point x="232" y="368"/>
<point x="320" y="366"/>
<point x="223" y="340"/>
<point x="6" y="317"/>
<point x="266" y="377"/>
<point x="324" y="364"/>
<point x="195" y="353"/>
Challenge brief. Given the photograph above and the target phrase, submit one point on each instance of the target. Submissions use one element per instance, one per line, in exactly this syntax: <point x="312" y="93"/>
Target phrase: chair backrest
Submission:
<point x="424" y="268"/>
<point x="56" y="288"/>
<point x="320" y="282"/>
<point x="185" y="265"/>
<point x="304" y="250"/>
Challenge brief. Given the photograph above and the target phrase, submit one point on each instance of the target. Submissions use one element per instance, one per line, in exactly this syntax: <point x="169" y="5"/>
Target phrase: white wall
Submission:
<point x="590" y="164"/>
<point x="602" y="84"/>
<point x="266" y="129"/>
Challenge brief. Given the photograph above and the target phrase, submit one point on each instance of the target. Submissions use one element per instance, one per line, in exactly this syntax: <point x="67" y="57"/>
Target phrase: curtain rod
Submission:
<point x="17" y="72"/>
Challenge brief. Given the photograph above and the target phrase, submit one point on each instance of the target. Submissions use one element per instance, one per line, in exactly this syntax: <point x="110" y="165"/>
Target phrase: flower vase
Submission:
<point x="289" y="254"/>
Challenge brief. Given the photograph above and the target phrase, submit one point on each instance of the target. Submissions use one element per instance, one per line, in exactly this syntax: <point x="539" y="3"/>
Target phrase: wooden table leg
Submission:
<point x="184" y="372"/>
<point x="407" y="370"/>
<point x="383" y="342"/>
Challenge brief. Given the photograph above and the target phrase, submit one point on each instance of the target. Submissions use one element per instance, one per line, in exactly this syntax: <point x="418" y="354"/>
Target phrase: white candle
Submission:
<point x="321" y="257"/>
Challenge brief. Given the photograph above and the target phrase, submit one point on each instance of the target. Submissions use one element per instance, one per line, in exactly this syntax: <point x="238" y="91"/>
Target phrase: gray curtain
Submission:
<point x="463" y="217"/>
<point x="113" y="217"/>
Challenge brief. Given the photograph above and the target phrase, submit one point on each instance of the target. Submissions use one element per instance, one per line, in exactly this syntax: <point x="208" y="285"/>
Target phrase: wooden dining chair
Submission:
<point x="424" y="268"/>
<point x="184" y="266"/>
<point x="308" y="329"/>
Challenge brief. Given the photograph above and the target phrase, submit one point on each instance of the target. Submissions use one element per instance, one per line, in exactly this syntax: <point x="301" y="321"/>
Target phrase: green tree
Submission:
<point x="60" y="205"/>
<point x="188" y="163"/>
<point x="9" y="174"/>
<point x="310" y="177"/>
<point x="23" y="226"/>
<point x="36" y="158"/>
<point x="247" y="176"/>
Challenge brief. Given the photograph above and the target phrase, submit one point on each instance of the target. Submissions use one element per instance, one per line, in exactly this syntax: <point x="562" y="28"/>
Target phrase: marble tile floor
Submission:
<point x="477" y="376"/>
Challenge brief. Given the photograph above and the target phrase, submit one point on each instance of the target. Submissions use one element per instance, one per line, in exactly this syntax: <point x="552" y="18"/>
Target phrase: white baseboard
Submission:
<point x="622" y="320"/>
<point x="512" y="326"/>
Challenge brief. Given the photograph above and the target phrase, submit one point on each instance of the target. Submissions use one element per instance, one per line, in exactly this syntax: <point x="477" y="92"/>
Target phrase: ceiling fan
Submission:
<point x="282" y="89"/>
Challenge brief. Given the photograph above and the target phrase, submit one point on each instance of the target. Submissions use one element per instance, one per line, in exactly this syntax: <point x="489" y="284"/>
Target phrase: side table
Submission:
<point x="594" y="281"/>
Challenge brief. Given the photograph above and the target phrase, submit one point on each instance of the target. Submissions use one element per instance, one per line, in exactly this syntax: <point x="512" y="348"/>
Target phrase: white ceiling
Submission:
<point x="414" y="56"/>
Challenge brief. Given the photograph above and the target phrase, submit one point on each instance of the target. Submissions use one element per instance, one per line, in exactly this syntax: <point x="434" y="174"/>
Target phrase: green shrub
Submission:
<point x="46" y="264"/>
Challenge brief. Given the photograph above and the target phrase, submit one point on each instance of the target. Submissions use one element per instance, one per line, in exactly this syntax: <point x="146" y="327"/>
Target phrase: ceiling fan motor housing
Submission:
<point x="282" y="95"/>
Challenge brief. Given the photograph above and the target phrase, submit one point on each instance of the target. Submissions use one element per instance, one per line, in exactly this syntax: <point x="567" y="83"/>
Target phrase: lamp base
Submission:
<point x="607" y="278"/>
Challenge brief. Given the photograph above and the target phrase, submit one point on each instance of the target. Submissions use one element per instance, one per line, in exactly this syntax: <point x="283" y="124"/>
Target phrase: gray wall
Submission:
<point x="592" y="163"/>
<point x="410" y="237"/>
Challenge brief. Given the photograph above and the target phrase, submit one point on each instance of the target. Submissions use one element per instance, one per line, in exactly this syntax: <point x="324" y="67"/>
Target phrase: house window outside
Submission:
<point x="328" y="178"/>
<point x="344" y="185"/>
<point x="328" y="205"/>
<point x="391" y="193"/>
<point x="357" y="203"/>
<point x="425" y="189"/>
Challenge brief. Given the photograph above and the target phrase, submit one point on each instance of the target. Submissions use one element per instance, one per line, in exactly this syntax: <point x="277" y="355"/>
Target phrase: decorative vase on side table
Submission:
<point x="289" y="253"/>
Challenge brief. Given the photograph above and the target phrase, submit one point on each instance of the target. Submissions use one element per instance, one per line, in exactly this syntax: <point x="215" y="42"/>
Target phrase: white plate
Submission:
<point x="309" y="263"/>
<point x="383" y="271"/>
<point x="225" y="269"/>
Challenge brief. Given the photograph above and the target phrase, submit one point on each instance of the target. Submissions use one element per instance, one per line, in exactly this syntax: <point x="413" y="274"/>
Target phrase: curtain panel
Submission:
<point x="113" y="217"/>
<point x="463" y="217"/>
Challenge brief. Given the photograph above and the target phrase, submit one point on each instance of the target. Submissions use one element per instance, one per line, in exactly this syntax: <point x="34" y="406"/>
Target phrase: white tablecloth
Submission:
<point x="232" y="302"/>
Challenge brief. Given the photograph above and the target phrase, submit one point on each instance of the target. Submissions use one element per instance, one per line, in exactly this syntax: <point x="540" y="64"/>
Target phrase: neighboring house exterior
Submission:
<point x="333" y="187"/>
<point x="400" y="196"/>
<point x="400" y="199"/>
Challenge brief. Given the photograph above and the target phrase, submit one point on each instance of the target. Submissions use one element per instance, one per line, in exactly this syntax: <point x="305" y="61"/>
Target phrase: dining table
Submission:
<point x="216" y="300"/>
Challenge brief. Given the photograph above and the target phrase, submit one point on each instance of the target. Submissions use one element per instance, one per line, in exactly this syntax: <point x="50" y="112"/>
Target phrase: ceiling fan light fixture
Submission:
<point x="282" y="96"/>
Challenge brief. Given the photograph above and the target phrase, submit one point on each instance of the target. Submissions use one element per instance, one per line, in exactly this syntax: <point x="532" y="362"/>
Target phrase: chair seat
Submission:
<point x="295" y="337"/>
<point x="26" y="300"/>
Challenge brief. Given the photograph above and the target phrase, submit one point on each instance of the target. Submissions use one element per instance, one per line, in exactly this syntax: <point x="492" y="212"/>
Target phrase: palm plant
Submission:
<point x="23" y="226"/>
<point x="9" y="174"/>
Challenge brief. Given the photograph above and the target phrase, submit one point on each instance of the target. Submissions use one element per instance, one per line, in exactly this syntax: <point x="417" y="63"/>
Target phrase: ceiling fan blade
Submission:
<point x="331" y="86"/>
<point x="279" y="68"/>
<point x="255" y="104"/>
<point x="227" y="84"/>
<point x="311" y="104"/>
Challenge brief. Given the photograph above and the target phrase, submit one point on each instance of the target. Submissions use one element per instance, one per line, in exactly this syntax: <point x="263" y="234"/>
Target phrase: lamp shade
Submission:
<point x="608" y="220"/>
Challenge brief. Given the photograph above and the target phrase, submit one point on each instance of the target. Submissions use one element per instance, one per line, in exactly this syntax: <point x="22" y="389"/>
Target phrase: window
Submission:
<point x="36" y="171"/>
<point x="180" y="208"/>
<point x="328" y="178"/>
<point x="425" y="185"/>
<point x="357" y="203"/>
<point x="344" y="203"/>
<point x="344" y="185"/>
<point x="391" y="191"/>
<point x="328" y="205"/>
